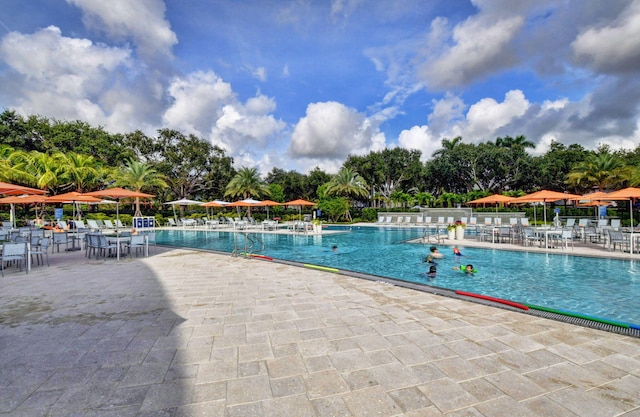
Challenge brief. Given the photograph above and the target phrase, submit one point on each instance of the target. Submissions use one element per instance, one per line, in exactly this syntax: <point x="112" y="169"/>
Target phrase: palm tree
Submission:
<point x="139" y="176"/>
<point x="348" y="183"/>
<point x="247" y="183"/>
<point x="82" y="170"/>
<point x="448" y="145"/>
<point x="603" y="170"/>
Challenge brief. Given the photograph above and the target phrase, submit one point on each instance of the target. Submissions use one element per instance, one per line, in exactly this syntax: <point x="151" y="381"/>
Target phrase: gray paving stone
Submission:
<point x="186" y="333"/>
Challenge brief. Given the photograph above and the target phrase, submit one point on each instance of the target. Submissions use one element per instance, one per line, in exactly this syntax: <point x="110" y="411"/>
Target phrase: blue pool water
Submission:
<point x="600" y="287"/>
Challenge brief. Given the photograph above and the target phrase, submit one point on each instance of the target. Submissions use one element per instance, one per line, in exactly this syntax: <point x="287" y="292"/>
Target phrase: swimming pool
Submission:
<point x="602" y="287"/>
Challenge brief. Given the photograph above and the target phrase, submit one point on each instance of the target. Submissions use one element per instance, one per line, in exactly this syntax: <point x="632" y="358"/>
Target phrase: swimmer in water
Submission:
<point x="466" y="269"/>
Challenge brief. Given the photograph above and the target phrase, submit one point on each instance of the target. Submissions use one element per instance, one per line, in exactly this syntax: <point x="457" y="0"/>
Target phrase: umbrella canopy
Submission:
<point x="492" y="199"/>
<point x="269" y="203"/>
<point x="215" y="203"/>
<point x="247" y="202"/>
<point x="13" y="189"/>
<point x="299" y="202"/>
<point x="543" y="196"/>
<point x="73" y="197"/>
<point x="117" y="193"/>
<point x="184" y="202"/>
<point x="629" y="193"/>
<point x="23" y="199"/>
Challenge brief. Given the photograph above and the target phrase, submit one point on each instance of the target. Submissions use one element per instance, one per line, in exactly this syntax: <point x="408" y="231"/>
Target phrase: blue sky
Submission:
<point x="304" y="83"/>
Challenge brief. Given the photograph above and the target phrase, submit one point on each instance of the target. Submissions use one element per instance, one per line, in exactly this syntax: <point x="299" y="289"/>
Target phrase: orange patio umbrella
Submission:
<point x="300" y="202"/>
<point x="492" y="199"/>
<point x="117" y="193"/>
<point x="543" y="196"/>
<point x="269" y="203"/>
<point x="629" y="193"/>
<point x="14" y="189"/>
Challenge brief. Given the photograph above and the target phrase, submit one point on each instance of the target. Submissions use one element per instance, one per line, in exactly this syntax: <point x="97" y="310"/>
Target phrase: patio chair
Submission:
<point x="105" y="247"/>
<point x="14" y="252"/>
<point x="41" y="250"/>
<point x="92" y="244"/>
<point x="529" y="237"/>
<point x="60" y="238"/>
<point x="616" y="238"/>
<point x="137" y="242"/>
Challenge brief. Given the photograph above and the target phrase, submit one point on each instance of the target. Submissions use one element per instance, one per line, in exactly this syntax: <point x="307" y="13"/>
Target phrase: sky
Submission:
<point x="298" y="84"/>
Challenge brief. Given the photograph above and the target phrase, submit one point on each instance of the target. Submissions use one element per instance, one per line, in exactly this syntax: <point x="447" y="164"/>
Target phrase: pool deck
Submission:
<point x="187" y="333"/>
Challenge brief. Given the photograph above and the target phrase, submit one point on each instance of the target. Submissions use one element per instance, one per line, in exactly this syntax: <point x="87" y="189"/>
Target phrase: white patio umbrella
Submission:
<point x="183" y="202"/>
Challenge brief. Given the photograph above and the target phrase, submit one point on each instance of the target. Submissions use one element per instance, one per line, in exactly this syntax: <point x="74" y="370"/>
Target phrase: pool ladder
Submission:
<point x="427" y="235"/>
<point x="245" y="248"/>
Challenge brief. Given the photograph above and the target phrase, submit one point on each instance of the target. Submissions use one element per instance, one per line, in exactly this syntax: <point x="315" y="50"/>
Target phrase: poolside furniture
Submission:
<point x="137" y="242"/>
<point x="14" y="252"/>
<point x="41" y="250"/>
<point x="617" y="238"/>
<point x="60" y="238"/>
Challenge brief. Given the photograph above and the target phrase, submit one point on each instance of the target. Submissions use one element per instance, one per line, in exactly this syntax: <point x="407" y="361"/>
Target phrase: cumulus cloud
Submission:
<point x="420" y="138"/>
<point x="66" y="78"/>
<point x="479" y="49"/>
<point x="330" y="130"/>
<point x="197" y="101"/>
<point x="141" y="21"/>
<point x="614" y="47"/>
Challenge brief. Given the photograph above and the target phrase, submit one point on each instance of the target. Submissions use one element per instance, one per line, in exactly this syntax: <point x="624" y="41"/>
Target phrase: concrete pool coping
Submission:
<point x="185" y="333"/>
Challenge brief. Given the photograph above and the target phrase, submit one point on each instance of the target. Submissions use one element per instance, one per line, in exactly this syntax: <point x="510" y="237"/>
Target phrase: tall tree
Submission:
<point x="247" y="184"/>
<point x="601" y="171"/>
<point x="347" y="183"/>
<point x="140" y="177"/>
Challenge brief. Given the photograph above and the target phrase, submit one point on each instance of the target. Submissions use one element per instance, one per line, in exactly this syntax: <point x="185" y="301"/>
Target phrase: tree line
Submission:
<point x="62" y="156"/>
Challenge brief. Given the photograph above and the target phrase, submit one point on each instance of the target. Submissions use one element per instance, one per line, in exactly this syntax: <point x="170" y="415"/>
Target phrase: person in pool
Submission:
<point x="433" y="255"/>
<point x="466" y="269"/>
<point x="432" y="272"/>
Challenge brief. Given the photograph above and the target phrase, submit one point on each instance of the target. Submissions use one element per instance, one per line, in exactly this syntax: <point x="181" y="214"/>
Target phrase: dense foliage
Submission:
<point x="71" y="155"/>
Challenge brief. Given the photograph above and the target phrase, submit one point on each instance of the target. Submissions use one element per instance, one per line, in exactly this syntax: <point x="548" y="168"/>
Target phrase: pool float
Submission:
<point x="322" y="268"/>
<point x="494" y="299"/>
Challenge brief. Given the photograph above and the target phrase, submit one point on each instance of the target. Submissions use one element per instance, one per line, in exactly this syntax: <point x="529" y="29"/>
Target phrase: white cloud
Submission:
<point x="142" y="21"/>
<point x="330" y="130"/>
<point x="480" y="48"/>
<point x="260" y="73"/>
<point x="198" y="100"/>
<point x="613" y="47"/>
<point x="66" y="78"/>
<point x="420" y="138"/>
<point x="486" y="116"/>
